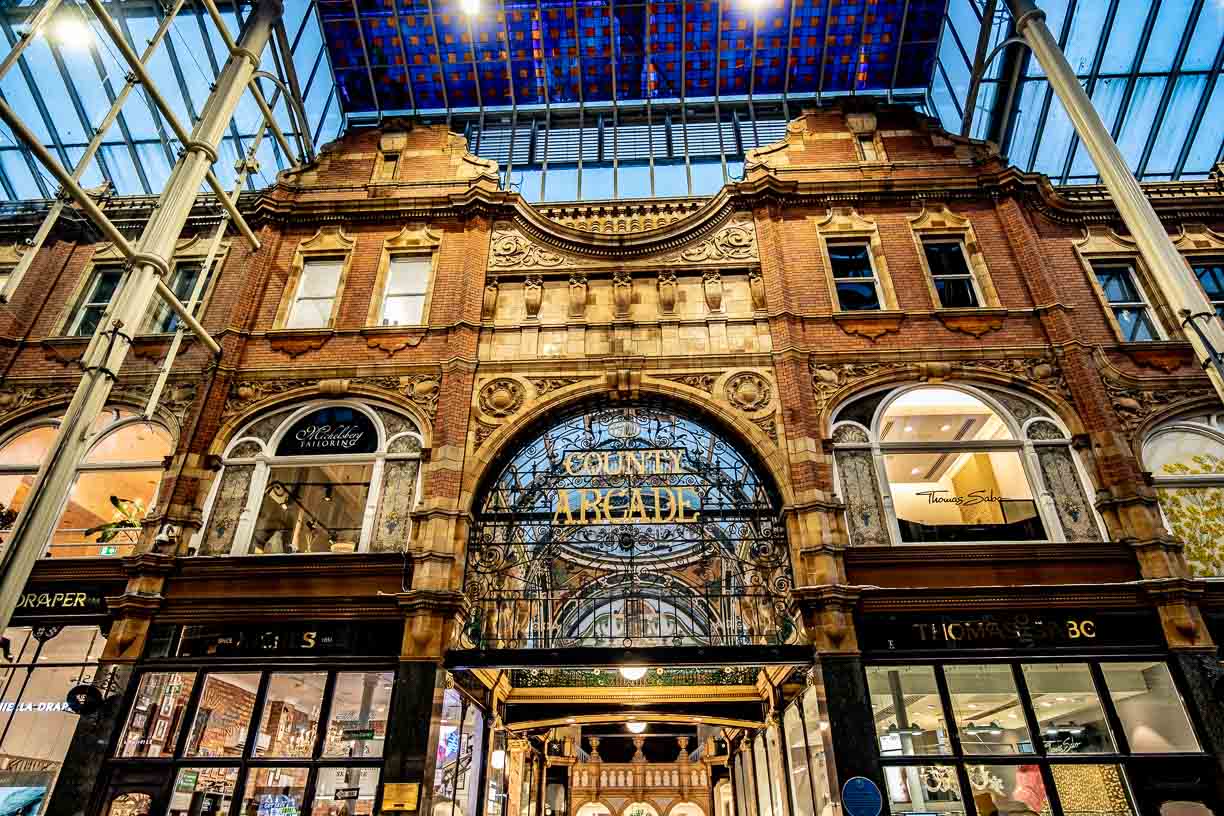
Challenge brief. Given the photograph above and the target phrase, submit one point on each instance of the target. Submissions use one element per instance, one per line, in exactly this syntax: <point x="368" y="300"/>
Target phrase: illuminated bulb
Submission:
<point x="633" y="672"/>
<point x="915" y="471"/>
<point x="470" y="7"/>
<point x="569" y="719"/>
<point x="909" y="428"/>
<point x="636" y="726"/>
<point x="974" y="705"/>
<point x="498" y="759"/>
<point x="1047" y="705"/>
<point x="945" y="428"/>
<point x="71" y="32"/>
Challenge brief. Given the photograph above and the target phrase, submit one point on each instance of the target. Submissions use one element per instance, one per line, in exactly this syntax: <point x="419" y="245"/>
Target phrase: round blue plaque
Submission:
<point x="861" y="797"/>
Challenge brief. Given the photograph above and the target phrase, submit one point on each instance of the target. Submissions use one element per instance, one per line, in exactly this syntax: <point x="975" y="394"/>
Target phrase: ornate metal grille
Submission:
<point x="628" y="527"/>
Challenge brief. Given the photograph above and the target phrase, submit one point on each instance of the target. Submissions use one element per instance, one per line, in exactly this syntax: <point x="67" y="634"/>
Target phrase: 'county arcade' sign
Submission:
<point x="643" y="500"/>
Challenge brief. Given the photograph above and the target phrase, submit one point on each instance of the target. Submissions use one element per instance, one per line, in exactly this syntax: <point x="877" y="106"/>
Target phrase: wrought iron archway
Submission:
<point x="628" y="527"/>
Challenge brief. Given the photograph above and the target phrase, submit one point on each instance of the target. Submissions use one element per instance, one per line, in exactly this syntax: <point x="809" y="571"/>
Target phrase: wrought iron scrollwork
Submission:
<point x="628" y="526"/>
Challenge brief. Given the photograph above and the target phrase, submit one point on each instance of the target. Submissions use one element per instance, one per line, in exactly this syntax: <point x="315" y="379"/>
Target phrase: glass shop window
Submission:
<point x="908" y="716"/>
<point x="156" y="717"/>
<point x="1150" y="708"/>
<point x="459" y="756"/>
<point x="854" y="276"/>
<point x="315" y="297"/>
<point x="1070" y="718"/>
<point x="358" y="722"/>
<point x="951" y="480"/>
<point x="803" y="737"/>
<point x="38" y="667"/>
<point x="987" y="709"/>
<point x="924" y="790"/>
<point x="104" y="283"/>
<point x="951" y="275"/>
<point x="312" y="508"/>
<point x="113" y="490"/>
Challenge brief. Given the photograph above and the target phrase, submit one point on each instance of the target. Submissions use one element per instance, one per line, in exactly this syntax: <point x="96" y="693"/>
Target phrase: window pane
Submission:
<point x="310" y="314"/>
<point x="345" y="792"/>
<point x="157" y="715"/>
<point x="961" y="496"/>
<point x="816" y="728"/>
<point x="274" y="791"/>
<point x="797" y="760"/>
<point x="223" y="715"/>
<point x="851" y="261"/>
<point x="37" y="726"/>
<point x="945" y="258"/>
<point x="1210" y="274"/>
<point x="403" y="310"/>
<point x="1099" y="790"/>
<point x="1069" y="713"/>
<point x="1149" y="707"/>
<point x="312" y="508"/>
<point x="106" y="282"/>
<point x="290" y="717"/>
<point x="91" y="316"/>
<point x="358" y="719"/>
<point x="987" y="710"/>
<point x="761" y="776"/>
<point x="941" y="415"/>
<point x="1010" y="789"/>
<point x="138" y="442"/>
<point x="924" y="789"/>
<point x="408" y="275"/>
<point x="28" y="448"/>
<point x="320" y="279"/>
<point x="104" y="512"/>
<point x="956" y="293"/>
<point x="908" y="716"/>
<point x="448" y="755"/>
<point x="1118" y="284"/>
<point x="202" y="792"/>
<point x="857" y="297"/>
<point x="1135" y="325"/>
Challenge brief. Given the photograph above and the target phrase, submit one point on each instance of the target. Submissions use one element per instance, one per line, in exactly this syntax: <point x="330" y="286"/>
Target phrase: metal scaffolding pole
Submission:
<point x="110" y="345"/>
<point x="1168" y="268"/>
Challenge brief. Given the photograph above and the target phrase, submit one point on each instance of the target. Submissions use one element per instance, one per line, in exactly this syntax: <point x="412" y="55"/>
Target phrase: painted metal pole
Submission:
<point x="1166" y="265"/>
<point x="44" y="229"/>
<point x="110" y="346"/>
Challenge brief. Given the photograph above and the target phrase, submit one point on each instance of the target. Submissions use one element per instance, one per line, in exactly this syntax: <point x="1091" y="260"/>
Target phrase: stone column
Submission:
<point x="516" y="763"/>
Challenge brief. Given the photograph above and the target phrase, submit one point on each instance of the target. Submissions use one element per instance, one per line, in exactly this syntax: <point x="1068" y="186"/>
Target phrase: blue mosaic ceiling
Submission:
<point x="419" y="55"/>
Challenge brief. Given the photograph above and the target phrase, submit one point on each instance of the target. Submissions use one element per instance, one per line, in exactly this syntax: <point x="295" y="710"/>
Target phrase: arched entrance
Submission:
<point x="628" y="527"/>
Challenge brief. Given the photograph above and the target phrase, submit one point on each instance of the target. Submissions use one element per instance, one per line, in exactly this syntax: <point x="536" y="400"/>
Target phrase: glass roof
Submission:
<point x="693" y="83"/>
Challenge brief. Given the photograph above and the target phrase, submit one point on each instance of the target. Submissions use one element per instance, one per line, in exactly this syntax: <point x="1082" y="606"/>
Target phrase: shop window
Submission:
<point x="156" y="718"/>
<point x="1127" y="301"/>
<point x="1149" y="708"/>
<point x="290" y="716"/>
<point x="987" y="711"/>
<point x="1092" y="789"/>
<point x="200" y="791"/>
<point x="1070" y="718"/>
<point x="345" y="791"/>
<point x="38" y="667"/>
<point x="803" y="729"/>
<point x="357" y="724"/>
<point x="131" y="804"/>
<point x="329" y="478"/>
<point x="274" y="791"/>
<point x="908" y="715"/>
<point x="1186" y="460"/>
<point x="223" y="715"/>
<point x="854" y="276"/>
<point x="950" y="274"/>
<point x="112" y="492"/>
<point x="923" y="789"/>
<point x="459" y="752"/>
<point x="162" y="319"/>
<point x="103" y="284"/>
<point x="1210" y="274"/>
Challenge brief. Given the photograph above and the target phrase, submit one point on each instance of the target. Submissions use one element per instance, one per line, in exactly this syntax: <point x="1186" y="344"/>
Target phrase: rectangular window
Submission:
<point x="1210" y="274"/>
<point x="867" y="147"/>
<point x="223" y="715"/>
<point x="924" y="790"/>
<point x="1069" y="713"/>
<point x="951" y="274"/>
<point x="162" y="319"/>
<point x="1124" y="295"/>
<point x="909" y="720"/>
<point x="854" y="276"/>
<point x="1149" y="707"/>
<point x="157" y="715"/>
<point x="987" y="710"/>
<point x="101" y="289"/>
<point x="407" y="283"/>
<point x="390" y="164"/>
<point x="357" y="725"/>
<point x="200" y="791"/>
<point x="316" y="295"/>
<point x="290" y="717"/>
<point x="312" y="508"/>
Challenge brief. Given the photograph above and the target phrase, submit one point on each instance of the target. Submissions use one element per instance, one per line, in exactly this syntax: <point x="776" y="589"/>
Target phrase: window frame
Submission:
<point x="82" y="300"/>
<point x="90" y="467"/>
<point x="151" y="324"/>
<point x="1122" y="757"/>
<point x="414" y="240"/>
<point x="1192" y="258"/>
<point x="266" y="460"/>
<point x="324" y="245"/>
<point x="938" y="224"/>
<point x="874" y="279"/>
<point x="844" y="225"/>
<point x="968" y="274"/>
<point x="1150" y="310"/>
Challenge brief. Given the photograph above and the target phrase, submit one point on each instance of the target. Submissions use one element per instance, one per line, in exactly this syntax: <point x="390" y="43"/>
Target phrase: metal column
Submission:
<point x="1167" y="266"/>
<point x="110" y="345"/>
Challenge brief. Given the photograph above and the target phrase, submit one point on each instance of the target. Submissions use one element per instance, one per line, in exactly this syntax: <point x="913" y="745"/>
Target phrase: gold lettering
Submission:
<point x="1088" y="628"/>
<point x="682" y="504"/>
<point x="585" y="504"/>
<point x="80" y="599"/>
<point x="308" y="639"/>
<point x="955" y="631"/>
<point x="590" y="464"/>
<point x="632" y="463"/>
<point x="620" y="463"/>
<point x="563" y="506"/>
<point x="675" y="457"/>
<point x="573" y="463"/>
<point x="637" y="508"/>
<point x="607" y="504"/>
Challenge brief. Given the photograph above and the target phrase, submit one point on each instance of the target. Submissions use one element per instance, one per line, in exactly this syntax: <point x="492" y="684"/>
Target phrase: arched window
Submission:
<point x="951" y="464"/>
<point x="112" y="492"/>
<point x="1186" y="460"/>
<point x="334" y="477"/>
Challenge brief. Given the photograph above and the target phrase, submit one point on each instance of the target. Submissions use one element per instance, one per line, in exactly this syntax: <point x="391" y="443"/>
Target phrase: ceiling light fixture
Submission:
<point x="636" y="726"/>
<point x="470" y="7"/>
<point x="633" y="672"/>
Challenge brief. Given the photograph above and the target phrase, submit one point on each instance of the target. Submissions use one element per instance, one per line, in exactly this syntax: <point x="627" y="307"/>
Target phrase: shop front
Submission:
<point x="1063" y="711"/>
<point x="274" y="720"/>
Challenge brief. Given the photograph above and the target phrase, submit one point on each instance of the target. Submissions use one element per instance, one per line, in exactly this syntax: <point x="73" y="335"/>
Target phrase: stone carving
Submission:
<point x="1134" y="404"/>
<point x="756" y="287"/>
<point x="244" y="394"/>
<point x="577" y="295"/>
<point x="421" y="389"/>
<point x="489" y="306"/>
<point x="1063" y="483"/>
<point x="227" y="510"/>
<point x="768" y="425"/>
<point x="1021" y="409"/>
<point x="15" y="398"/>
<point x="861" y="492"/>
<point x="667" y="292"/>
<point x="711" y="282"/>
<point x="827" y="380"/>
<point x="1044" y="430"/>
<point x="850" y="433"/>
<point x="748" y="391"/>
<point x="622" y="291"/>
<point x="1042" y="371"/>
<point x="702" y="382"/>
<point x="245" y="450"/>
<point x="406" y="443"/>
<point x="735" y="241"/>
<point x="510" y="250"/>
<point x="621" y="218"/>
<point x="175" y="398"/>
<point x="544" y="385"/>
<point x="393" y="525"/>
<point x="533" y="295"/>
<point x="483" y="431"/>
<point x="501" y="397"/>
